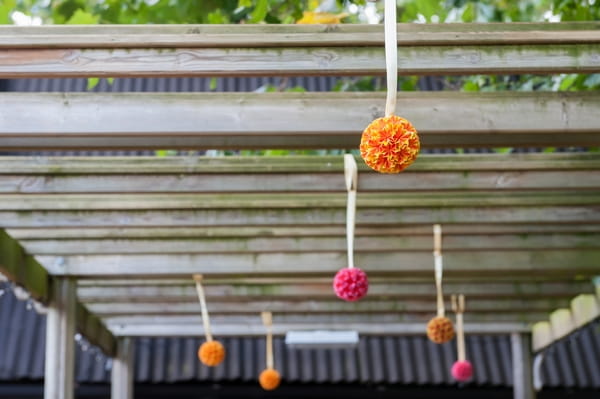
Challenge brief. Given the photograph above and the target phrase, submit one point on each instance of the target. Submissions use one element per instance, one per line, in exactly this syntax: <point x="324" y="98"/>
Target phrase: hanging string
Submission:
<point x="437" y="256"/>
<point x="391" y="56"/>
<point x="267" y="319"/>
<point x="351" y="175"/>
<point x="458" y="306"/>
<point x="205" y="319"/>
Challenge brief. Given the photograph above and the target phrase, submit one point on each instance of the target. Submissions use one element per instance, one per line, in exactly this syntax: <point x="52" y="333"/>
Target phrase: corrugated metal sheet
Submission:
<point x="572" y="363"/>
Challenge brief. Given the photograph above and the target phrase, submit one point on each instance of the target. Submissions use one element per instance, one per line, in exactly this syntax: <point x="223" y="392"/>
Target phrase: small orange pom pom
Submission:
<point x="211" y="353"/>
<point x="389" y="144"/>
<point x="269" y="379"/>
<point x="440" y="330"/>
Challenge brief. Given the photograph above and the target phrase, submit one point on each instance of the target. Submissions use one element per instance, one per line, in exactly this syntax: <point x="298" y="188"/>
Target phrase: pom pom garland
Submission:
<point x="389" y="144"/>
<point x="211" y="353"/>
<point x="350" y="284"/>
<point x="440" y="330"/>
<point x="462" y="370"/>
<point x="269" y="379"/>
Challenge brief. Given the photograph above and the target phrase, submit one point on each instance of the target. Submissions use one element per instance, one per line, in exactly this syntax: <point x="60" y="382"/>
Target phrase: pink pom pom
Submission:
<point x="462" y="370"/>
<point x="350" y="284"/>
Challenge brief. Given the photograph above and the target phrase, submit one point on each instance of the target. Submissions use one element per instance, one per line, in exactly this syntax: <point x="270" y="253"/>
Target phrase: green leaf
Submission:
<point x="592" y="81"/>
<point x="92" y="82"/>
<point x="260" y="11"/>
<point x="502" y="150"/>
<point x="5" y="11"/>
<point x="110" y="81"/>
<point x="245" y="3"/>
<point x="212" y="84"/>
<point x="81" y="17"/>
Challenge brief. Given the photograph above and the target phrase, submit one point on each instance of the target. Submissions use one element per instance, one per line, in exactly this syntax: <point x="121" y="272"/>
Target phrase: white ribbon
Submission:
<point x="391" y="56"/>
<point x="205" y="319"/>
<point x="351" y="176"/>
<point x="437" y="256"/>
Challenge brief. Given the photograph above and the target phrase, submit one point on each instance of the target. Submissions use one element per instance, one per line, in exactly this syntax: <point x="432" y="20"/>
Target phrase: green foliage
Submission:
<point x="5" y="8"/>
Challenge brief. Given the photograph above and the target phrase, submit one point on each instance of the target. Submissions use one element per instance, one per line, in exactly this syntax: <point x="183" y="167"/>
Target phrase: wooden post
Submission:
<point x="522" y="366"/>
<point x="60" y="341"/>
<point x="123" y="370"/>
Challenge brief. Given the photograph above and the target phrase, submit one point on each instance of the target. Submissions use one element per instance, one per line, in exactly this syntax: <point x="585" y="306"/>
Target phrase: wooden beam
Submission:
<point x="564" y="263"/>
<point x="183" y="166"/>
<point x="291" y="61"/>
<point x="272" y="201"/>
<point x="199" y="36"/>
<point x="401" y="232"/>
<point x="299" y="120"/>
<point x="170" y="329"/>
<point x="583" y="309"/>
<point x="476" y="213"/>
<point x="123" y="370"/>
<point x="105" y="291"/>
<point x="60" y="343"/>
<point x="522" y="366"/>
<point x="23" y="269"/>
<point x="307" y="244"/>
<point x="332" y="306"/>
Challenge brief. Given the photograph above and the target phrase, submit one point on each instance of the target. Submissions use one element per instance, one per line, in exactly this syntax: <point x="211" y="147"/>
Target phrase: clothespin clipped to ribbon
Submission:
<point x="458" y="307"/>
<point x="462" y="369"/>
<point x="269" y="379"/>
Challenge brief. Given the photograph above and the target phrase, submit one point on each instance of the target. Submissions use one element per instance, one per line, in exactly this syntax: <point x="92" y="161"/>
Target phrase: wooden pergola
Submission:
<point x="109" y="244"/>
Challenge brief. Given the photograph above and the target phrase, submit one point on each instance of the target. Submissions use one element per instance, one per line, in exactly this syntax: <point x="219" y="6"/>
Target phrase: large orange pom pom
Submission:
<point x="269" y="379"/>
<point x="389" y="144"/>
<point x="440" y="330"/>
<point x="211" y="353"/>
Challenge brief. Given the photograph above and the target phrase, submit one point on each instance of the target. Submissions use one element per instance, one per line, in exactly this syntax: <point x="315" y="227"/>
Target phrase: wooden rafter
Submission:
<point x="296" y="120"/>
<point x="24" y="270"/>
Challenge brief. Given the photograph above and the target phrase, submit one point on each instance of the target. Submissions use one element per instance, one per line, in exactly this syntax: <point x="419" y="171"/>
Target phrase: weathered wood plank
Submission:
<point x="59" y="368"/>
<point x="22" y="268"/>
<point x="178" y="292"/>
<point x="332" y="306"/>
<point x="272" y="201"/>
<point x="299" y="120"/>
<point x="25" y="270"/>
<point x="412" y="60"/>
<point x="382" y="243"/>
<point x="300" y="217"/>
<point x="566" y="263"/>
<point x="282" y="182"/>
<point x="177" y="232"/>
<point x="182" y="165"/>
<point x="385" y="322"/>
<point x="131" y="36"/>
<point x="166" y="328"/>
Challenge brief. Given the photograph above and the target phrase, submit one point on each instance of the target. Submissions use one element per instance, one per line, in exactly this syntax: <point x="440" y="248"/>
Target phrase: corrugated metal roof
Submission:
<point x="572" y="363"/>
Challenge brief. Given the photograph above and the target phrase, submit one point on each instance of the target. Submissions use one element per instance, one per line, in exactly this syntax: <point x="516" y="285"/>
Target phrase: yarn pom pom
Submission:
<point x="211" y="353"/>
<point x="350" y="284"/>
<point x="440" y="330"/>
<point x="269" y="379"/>
<point x="389" y="144"/>
<point x="462" y="370"/>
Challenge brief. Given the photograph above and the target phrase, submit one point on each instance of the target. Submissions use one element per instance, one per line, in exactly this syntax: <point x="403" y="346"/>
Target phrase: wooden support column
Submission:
<point x="522" y="366"/>
<point x="123" y="370"/>
<point x="60" y="342"/>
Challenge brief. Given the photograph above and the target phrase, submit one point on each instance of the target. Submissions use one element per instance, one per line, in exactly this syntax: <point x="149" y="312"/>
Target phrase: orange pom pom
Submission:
<point x="389" y="144"/>
<point x="269" y="379"/>
<point x="211" y="353"/>
<point x="440" y="330"/>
